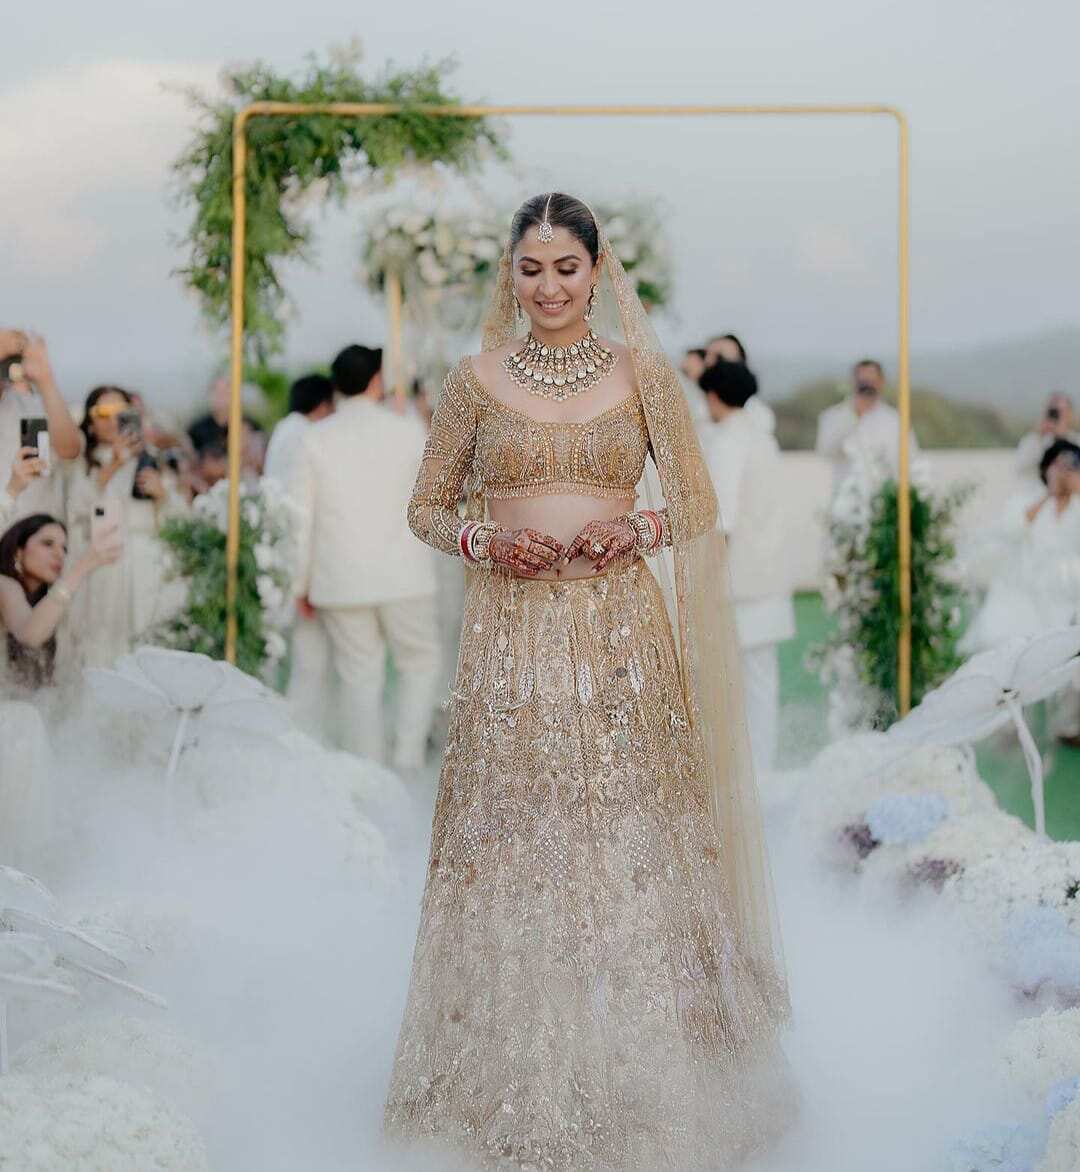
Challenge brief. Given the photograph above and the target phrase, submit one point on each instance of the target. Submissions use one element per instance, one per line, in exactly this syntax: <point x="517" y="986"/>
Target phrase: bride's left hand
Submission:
<point x="602" y="542"/>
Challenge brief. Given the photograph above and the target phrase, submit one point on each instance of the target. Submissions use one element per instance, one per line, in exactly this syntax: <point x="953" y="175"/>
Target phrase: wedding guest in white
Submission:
<point x="311" y="398"/>
<point x="744" y="462"/>
<point x="1058" y="422"/>
<point x="37" y="585"/>
<point x="1037" y="588"/>
<point x="28" y="390"/>
<point x="361" y="570"/>
<point x="728" y="348"/>
<point x="863" y="424"/>
<point x="118" y="476"/>
<point x="310" y="690"/>
<point x="690" y="370"/>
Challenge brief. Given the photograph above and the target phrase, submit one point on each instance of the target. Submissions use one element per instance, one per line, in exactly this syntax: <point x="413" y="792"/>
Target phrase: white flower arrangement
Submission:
<point x="435" y="250"/>
<point x="859" y="518"/>
<point x="430" y="250"/>
<point x="899" y="819"/>
<point x="93" y="1124"/>
<point x="637" y="237"/>
<point x="267" y="565"/>
<point x="1063" y="1143"/>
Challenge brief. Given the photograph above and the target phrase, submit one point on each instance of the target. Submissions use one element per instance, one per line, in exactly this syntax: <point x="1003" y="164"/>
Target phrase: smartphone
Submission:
<point x="130" y="424"/>
<point x="34" y="433"/>
<point x="11" y="369"/>
<point x="145" y="460"/>
<point x="105" y="519"/>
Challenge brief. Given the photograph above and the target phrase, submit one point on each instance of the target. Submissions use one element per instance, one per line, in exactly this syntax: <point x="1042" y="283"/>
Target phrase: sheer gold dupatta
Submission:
<point x="699" y="598"/>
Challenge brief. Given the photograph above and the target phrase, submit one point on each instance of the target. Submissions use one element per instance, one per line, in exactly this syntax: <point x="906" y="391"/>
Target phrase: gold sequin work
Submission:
<point x="577" y="1003"/>
<point x="516" y="455"/>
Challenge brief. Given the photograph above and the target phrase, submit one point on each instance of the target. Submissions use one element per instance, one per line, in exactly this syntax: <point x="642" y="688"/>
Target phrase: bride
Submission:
<point x="596" y="982"/>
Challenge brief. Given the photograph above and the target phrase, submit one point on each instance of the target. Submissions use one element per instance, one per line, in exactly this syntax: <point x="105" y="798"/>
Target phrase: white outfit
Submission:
<point x="842" y="434"/>
<point x="310" y="691"/>
<point x="1029" y="454"/>
<point x="760" y="414"/>
<point x="1038" y="585"/>
<point x="744" y="462"/>
<point x="284" y="448"/>
<point x="44" y="494"/>
<point x="120" y="603"/>
<point x="25" y="793"/>
<point x="372" y="581"/>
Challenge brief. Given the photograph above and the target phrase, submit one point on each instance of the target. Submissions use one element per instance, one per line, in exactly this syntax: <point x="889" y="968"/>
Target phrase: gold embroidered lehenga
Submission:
<point x="596" y="983"/>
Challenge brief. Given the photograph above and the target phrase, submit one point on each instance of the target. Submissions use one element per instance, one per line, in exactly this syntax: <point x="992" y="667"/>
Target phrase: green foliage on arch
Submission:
<point x="287" y="156"/>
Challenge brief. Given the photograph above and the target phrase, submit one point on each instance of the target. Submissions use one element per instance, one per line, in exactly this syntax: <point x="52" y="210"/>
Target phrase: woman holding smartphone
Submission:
<point x="37" y="586"/>
<point x="119" y="481"/>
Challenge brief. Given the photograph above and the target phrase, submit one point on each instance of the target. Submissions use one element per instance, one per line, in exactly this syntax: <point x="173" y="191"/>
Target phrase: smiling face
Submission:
<point x="552" y="280"/>
<point x="42" y="557"/>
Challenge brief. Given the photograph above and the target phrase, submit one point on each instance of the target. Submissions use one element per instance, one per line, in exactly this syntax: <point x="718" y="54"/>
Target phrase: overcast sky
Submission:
<point x="783" y="231"/>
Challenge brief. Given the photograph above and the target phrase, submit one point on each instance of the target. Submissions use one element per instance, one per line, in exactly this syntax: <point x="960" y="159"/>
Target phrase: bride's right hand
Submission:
<point x="524" y="552"/>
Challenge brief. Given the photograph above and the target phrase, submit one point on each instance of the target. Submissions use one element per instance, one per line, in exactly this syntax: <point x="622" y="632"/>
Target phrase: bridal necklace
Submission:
<point x="560" y="372"/>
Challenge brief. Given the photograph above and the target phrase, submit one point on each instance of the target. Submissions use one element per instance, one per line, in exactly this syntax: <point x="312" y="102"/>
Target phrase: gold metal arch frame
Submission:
<point x="366" y="110"/>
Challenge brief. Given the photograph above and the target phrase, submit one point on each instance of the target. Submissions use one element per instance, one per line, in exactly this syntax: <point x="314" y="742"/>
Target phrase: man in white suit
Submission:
<point x="744" y="461"/>
<point x="864" y="424"/>
<point x="369" y="579"/>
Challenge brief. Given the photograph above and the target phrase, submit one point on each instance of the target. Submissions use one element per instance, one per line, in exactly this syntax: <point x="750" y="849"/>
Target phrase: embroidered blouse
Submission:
<point x="509" y="454"/>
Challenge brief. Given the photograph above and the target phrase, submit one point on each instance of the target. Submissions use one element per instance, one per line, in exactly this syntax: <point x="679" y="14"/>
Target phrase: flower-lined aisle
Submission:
<point x="924" y="840"/>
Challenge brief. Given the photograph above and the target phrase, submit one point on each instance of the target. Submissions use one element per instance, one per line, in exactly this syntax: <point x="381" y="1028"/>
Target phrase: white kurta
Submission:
<point x="843" y="435"/>
<point x="1037" y="587"/>
<point x="283" y="451"/>
<point x="118" y="604"/>
<point x="744" y="460"/>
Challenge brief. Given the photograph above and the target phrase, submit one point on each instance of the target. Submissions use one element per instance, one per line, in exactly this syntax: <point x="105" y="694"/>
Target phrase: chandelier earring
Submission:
<point x="590" y="307"/>
<point x="518" y="311"/>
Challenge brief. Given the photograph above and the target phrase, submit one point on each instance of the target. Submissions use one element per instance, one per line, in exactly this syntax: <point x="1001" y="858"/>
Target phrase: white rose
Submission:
<point x="275" y="645"/>
<point x="396" y="217"/>
<point x="628" y="252"/>
<point x="264" y="556"/>
<point x="444" y="241"/>
<point x="617" y="226"/>
<point x="484" y="248"/>
<point x="430" y="270"/>
<point x="414" y="222"/>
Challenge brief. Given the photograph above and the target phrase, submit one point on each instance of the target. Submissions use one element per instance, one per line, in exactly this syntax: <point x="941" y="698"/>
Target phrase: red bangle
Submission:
<point x="654" y="524"/>
<point x="463" y="541"/>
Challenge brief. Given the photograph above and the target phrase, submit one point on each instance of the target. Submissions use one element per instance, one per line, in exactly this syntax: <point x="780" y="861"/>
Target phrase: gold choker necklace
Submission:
<point x="560" y="372"/>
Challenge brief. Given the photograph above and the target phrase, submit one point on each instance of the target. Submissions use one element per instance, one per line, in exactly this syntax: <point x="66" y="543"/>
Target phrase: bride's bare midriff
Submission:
<point x="561" y="517"/>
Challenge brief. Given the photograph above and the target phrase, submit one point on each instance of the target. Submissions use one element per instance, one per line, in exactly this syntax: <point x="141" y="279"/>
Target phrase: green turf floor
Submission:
<point x="803" y="732"/>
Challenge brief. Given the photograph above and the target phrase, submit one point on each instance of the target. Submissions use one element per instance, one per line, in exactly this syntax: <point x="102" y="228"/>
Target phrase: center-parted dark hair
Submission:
<point x="30" y="666"/>
<point x="732" y="382"/>
<point x="87" y="425"/>
<point x="1058" y="448"/>
<point x="560" y="211"/>
<point x="354" y="368"/>
<point x="310" y="392"/>
<point x="735" y="341"/>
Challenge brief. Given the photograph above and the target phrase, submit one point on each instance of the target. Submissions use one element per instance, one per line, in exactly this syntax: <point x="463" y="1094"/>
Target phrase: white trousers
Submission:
<point x="312" y="690"/>
<point x="761" y="682"/>
<point x="359" y="639"/>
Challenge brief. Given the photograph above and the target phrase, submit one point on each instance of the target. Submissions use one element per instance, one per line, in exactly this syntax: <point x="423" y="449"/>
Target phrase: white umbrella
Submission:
<point x="27" y="969"/>
<point x="990" y="691"/>
<point x="202" y="693"/>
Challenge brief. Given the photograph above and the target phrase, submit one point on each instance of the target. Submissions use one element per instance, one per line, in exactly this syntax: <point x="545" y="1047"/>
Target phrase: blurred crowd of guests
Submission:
<point x="83" y="574"/>
<point x="84" y="492"/>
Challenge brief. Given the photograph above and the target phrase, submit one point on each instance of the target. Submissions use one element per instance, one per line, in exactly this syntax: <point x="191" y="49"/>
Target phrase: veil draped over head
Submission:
<point x="696" y="584"/>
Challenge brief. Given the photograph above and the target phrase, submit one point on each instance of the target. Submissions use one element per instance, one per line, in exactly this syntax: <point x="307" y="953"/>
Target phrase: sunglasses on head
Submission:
<point x="107" y="410"/>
